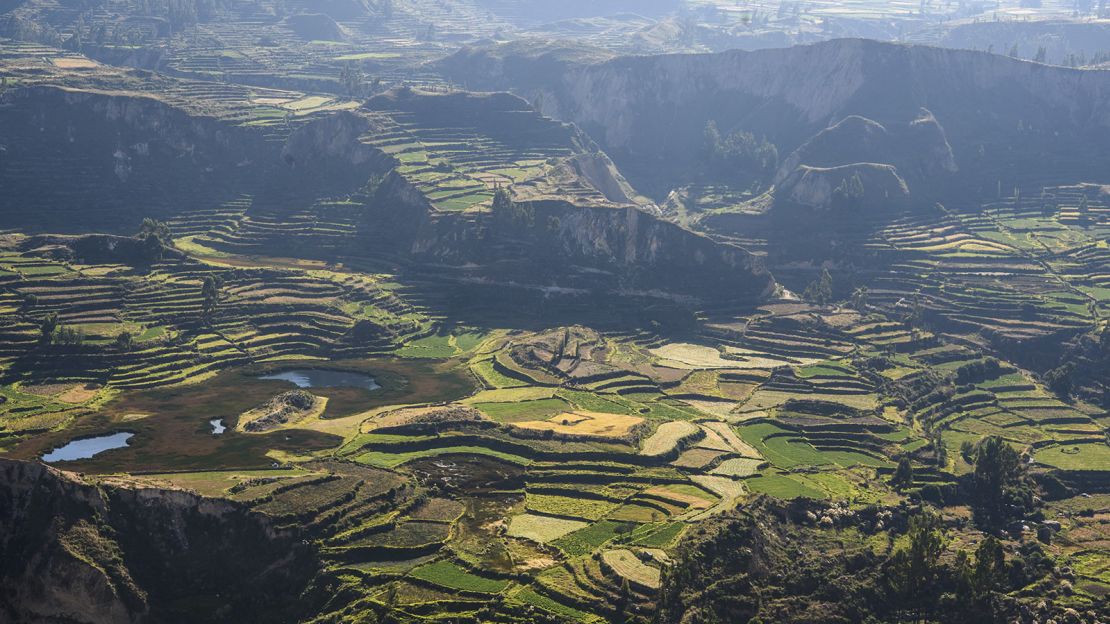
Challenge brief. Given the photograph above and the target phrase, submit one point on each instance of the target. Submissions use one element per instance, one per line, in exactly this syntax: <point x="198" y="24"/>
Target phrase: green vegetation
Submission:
<point x="909" y="426"/>
<point x="452" y="576"/>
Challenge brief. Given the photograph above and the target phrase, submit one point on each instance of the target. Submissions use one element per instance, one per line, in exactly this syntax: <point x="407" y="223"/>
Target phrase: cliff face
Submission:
<point x="89" y="160"/>
<point x="79" y="159"/>
<point x="74" y="552"/>
<point x="604" y="250"/>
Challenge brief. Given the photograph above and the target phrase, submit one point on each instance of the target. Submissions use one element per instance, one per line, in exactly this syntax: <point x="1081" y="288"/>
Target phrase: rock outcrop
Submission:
<point x="859" y="185"/>
<point x="75" y="552"/>
<point x="602" y="250"/>
<point x="287" y="407"/>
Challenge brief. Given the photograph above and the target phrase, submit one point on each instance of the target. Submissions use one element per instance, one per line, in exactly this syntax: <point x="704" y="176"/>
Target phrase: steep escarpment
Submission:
<point x="78" y="160"/>
<point x="1057" y="41"/>
<point x="772" y="562"/>
<point x="71" y="159"/>
<point x="525" y="66"/>
<point x="559" y="245"/>
<point x="75" y="552"/>
<point x="534" y="12"/>
<point x="860" y="163"/>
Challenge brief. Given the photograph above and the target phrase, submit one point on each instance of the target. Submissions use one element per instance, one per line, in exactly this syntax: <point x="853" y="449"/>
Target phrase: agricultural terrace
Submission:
<point x="552" y="468"/>
<point x="555" y="469"/>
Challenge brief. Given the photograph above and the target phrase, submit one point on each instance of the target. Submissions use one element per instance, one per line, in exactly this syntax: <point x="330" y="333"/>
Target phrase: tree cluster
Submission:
<point x="740" y="150"/>
<point x="767" y="563"/>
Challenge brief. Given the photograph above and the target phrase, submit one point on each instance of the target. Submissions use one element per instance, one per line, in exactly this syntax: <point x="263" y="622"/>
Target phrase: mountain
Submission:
<point x="1007" y="121"/>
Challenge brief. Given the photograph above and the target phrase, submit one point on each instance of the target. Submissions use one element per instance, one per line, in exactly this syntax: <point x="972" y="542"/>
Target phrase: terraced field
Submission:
<point x="559" y="468"/>
<point x="491" y="451"/>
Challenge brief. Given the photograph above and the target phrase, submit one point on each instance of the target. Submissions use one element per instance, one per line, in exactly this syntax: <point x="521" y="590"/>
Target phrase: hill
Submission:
<point x="788" y="95"/>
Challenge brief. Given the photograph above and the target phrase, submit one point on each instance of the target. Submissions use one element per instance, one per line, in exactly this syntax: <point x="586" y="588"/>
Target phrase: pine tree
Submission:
<point x="903" y="474"/>
<point x="915" y="568"/>
<point x="210" y="296"/>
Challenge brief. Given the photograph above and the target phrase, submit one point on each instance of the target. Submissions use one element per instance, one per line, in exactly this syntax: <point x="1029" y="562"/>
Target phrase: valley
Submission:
<point x="422" y="311"/>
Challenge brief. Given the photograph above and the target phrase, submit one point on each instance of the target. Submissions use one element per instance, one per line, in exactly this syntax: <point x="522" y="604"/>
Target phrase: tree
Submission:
<point x="820" y="290"/>
<point x="940" y="451"/>
<point x="507" y="210"/>
<point x="47" y="327"/>
<point x="712" y="138"/>
<point x="1001" y="488"/>
<point x="29" y="303"/>
<point x="915" y="568"/>
<point x="1059" y="379"/>
<point x="849" y="192"/>
<point x="159" y="229"/>
<point x="502" y="201"/>
<point x="979" y="581"/>
<point x="989" y="574"/>
<point x="859" y="299"/>
<point x="155" y="237"/>
<point x="210" y="296"/>
<point x="1084" y="210"/>
<point x="903" y="474"/>
<point x="69" y="336"/>
<point x="739" y="151"/>
<point x="967" y="451"/>
<point x="353" y="80"/>
<point x="125" y="341"/>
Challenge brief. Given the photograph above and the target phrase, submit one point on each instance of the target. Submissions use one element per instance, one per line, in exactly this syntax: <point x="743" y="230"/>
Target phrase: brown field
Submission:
<point x="586" y="424"/>
<point x="74" y="63"/>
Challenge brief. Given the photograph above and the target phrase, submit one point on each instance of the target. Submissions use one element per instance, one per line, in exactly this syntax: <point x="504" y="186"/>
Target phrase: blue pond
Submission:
<point x="217" y="425"/>
<point x="87" y="447"/>
<point x="320" y="378"/>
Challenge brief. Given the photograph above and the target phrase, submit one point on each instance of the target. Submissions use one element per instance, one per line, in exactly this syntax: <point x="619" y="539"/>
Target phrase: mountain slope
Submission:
<point x="1003" y="117"/>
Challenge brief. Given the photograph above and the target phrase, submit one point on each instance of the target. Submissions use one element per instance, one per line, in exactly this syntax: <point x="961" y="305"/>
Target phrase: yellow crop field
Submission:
<point x="586" y="424"/>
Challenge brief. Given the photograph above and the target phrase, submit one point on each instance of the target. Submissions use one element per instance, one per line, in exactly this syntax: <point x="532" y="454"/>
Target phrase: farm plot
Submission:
<point x="1085" y="456"/>
<point x="625" y="564"/>
<point x="453" y="576"/>
<point x="569" y="506"/>
<point x="668" y="437"/>
<point x="543" y="529"/>
<point x="585" y="424"/>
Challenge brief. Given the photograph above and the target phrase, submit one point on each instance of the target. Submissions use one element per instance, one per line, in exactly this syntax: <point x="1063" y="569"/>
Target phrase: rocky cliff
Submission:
<point x="79" y="160"/>
<point x="75" y="552"/>
<point x="561" y="246"/>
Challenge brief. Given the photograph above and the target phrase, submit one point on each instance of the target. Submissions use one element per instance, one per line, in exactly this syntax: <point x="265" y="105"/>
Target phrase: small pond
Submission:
<point x="322" y="378"/>
<point x="87" y="447"/>
<point x="217" y="425"/>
